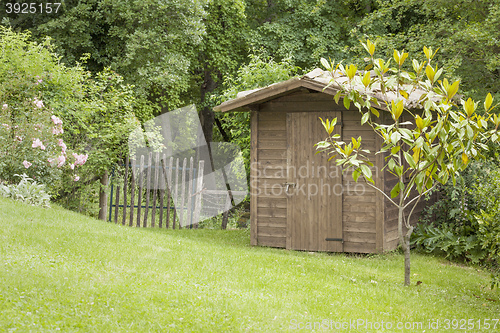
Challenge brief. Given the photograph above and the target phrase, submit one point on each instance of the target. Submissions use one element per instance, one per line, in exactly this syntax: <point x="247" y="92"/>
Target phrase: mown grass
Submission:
<point x="63" y="271"/>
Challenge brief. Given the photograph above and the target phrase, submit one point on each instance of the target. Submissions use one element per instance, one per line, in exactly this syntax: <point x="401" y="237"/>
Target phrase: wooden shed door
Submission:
<point x="314" y="196"/>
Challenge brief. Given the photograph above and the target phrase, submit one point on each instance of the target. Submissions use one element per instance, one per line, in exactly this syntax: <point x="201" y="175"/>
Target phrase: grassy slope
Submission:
<point x="63" y="270"/>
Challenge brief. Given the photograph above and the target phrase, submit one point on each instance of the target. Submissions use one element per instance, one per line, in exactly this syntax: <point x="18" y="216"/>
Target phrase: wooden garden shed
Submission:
<point x="299" y="200"/>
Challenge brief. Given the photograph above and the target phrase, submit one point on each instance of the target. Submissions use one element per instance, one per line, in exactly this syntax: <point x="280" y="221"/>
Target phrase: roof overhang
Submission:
<point x="245" y="101"/>
<point x="317" y="80"/>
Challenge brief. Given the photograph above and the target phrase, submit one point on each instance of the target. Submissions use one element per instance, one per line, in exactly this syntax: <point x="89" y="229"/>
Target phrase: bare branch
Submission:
<point x="423" y="193"/>
<point x="375" y="187"/>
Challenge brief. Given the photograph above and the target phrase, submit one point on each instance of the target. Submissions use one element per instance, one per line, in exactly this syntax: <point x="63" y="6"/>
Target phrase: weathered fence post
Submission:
<point x="227" y="206"/>
<point x="182" y="221"/>
<point x="132" y="192"/>
<point x="163" y="184"/>
<point x="189" y="219"/>
<point x="155" y="189"/>
<point x="199" y="190"/>
<point x="169" y="192"/>
<point x="117" y="203"/>
<point x="103" y="200"/>
<point x="176" y="194"/>
<point x="148" y="188"/>
<point x="125" y="182"/>
<point x="139" y="199"/>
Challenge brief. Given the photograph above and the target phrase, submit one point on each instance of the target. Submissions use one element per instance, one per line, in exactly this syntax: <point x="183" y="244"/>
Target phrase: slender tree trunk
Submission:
<point x="207" y="116"/>
<point x="407" y="257"/>
<point x="103" y="198"/>
<point x="404" y="240"/>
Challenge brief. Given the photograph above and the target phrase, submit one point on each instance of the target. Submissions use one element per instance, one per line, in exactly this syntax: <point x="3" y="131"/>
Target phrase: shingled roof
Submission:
<point x="316" y="80"/>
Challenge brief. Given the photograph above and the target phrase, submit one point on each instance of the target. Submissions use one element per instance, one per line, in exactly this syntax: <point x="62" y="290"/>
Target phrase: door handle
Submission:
<point x="287" y="186"/>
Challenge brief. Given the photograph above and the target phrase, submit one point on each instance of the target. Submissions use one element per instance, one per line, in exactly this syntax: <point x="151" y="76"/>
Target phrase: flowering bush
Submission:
<point x="30" y="140"/>
<point x="60" y="125"/>
<point x="31" y="129"/>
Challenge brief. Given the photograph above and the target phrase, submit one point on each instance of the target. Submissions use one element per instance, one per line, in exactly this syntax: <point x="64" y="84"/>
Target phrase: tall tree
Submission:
<point x="304" y="30"/>
<point x="466" y="31"/>
<point x="150" y="43"/>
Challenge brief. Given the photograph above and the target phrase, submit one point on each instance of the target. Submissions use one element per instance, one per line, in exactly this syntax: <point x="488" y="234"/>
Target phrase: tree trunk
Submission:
<point x="103" y="198"/>
<point x="207" y="116"/>
<point x="407" y="258"/>
<point x="406" y="248"/>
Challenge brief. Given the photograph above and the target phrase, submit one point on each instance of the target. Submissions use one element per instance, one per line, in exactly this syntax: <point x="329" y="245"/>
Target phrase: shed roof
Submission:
<point x="316" y="80"/>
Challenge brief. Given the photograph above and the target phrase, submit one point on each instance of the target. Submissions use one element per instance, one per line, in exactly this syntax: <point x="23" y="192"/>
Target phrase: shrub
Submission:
<point x="31" y="81"/>
<point x="467" y="219"/>
<point x="27" y="191"/>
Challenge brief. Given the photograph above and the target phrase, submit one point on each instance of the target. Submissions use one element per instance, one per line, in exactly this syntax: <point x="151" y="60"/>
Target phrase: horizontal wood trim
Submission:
<point x="277" y="171"/>
<point x="274" y="116"/>
<point x="272" y="125"/>
<point x="391" y="225"/>
<point x="355" y="247"/>
<point x="391" y="235"/>
<point x="275" y="106"/>
<point x="304" y="97"/>
<point x="270" y="220"/>
<point x="271" y="241"/>
<point x="271" y="231"/>
<point x="276" y="163"/>
<point x="270" y="182"/>
<point x="271" y="212"/>
<point x="269" y="193"/>
<point x="359" y="227"/>
<point x="271" y="143"/>
<point x="271" y="202"/>
<point x="271" y="134"/>
<point x="358" y="217"/>
<point x="281" y="224"/>
<point x="392" y="245"/>
<point x="367" y="198"/>
<point x="359" y="237"/>
<point x="351" y="207"/>
<point x="271" y="154"/>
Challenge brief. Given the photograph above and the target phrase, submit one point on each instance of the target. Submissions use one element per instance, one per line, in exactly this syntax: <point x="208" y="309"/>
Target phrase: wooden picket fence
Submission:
<point x="186" y="187"/>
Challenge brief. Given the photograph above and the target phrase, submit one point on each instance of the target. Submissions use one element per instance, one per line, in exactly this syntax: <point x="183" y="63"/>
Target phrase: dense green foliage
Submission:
<point x="260" y="72"/>
<point x="67" y="271"/>
<point x="303" y="30"/>
<point x="465" y="31"/>
<point x="465" y="223"/>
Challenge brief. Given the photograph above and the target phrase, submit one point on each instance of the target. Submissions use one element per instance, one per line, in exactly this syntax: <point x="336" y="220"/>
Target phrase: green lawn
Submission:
<point x="60" y="270"/>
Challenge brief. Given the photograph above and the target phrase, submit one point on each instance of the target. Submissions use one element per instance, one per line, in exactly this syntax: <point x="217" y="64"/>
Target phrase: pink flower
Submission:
<point x="38" y="143"/>
<point x="5" y="106"/>
<point x="6" y="126"/>
<point x="56" y="120"/>
<point x="80" y="159"/>
<point x="38" y="103"/>
<point x="26" y="164"/>
<point x="38" y="81"/>
<point x="57" y="130"/>
<point x="77" y="178"/>
<point x="61" y="159"/>
<point x="63" y="145"/>
<point x="72" y="166"/>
